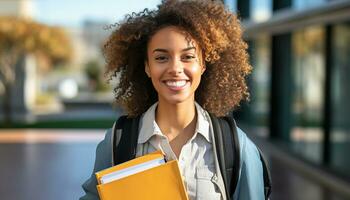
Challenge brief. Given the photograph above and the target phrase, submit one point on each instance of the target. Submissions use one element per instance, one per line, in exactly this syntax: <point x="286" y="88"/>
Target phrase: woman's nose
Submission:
<point x="176" y="67"/>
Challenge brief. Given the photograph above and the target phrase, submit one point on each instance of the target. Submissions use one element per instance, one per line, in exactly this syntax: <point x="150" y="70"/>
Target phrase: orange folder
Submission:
<point x="156" y="183"/>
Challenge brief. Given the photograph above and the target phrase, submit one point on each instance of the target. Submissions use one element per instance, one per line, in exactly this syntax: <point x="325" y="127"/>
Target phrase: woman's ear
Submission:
<point x="147" y="69"/>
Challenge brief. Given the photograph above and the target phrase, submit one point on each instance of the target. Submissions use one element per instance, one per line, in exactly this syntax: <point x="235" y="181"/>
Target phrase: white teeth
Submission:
<point x="175" y="83"/>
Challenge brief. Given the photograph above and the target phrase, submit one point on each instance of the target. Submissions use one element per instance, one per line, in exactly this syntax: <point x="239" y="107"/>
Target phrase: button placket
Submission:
<point x="182" y="162"/>
<point x="170" y="155"/>
<point x="182" y="156"/>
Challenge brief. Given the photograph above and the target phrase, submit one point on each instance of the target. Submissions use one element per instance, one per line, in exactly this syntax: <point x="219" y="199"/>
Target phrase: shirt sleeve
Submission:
<point x="251" y="182"/>
<point x="103" y="160"/>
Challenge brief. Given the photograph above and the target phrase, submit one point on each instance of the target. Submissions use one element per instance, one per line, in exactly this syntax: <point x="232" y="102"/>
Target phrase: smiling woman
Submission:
<point x="218" y="36"/>
<point x="179" y="65"/>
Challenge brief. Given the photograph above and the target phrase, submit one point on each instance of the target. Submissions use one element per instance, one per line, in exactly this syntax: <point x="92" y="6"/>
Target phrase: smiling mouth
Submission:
<point x="176" y="84"/>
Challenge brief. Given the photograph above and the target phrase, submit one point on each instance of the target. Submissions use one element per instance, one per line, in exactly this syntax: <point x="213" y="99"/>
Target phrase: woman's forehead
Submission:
<point x="171" y="37"/>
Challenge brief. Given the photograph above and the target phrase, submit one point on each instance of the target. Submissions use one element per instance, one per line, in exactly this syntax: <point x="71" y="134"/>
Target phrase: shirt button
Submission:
<point x="215" y="177"/>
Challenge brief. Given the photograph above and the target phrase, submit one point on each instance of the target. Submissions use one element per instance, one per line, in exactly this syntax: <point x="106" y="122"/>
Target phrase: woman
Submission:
<point x="175" y="65"/>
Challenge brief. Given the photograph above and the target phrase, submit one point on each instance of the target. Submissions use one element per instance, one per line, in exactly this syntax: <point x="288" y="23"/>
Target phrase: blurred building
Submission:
<point x="87" y="41"/>
<point x="18" y="8"/>
<point x="300" y="83"/>
<point x="95" y="34"/>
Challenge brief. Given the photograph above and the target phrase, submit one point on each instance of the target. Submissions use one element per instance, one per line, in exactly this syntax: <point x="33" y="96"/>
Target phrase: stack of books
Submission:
<point x="149" y="177"/>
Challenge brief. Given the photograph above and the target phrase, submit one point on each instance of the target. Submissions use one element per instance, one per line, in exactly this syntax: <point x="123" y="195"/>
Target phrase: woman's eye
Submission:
<point x="188" y="57"/>
<point x="161" y="58"/>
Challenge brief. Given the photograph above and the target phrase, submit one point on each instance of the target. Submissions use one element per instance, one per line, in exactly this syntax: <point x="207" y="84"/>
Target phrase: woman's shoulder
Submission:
<point x="104" y="152"/>
<point x="247" y="147"/>
<point x="107" y="139"/>
<point x="251" y="181"/>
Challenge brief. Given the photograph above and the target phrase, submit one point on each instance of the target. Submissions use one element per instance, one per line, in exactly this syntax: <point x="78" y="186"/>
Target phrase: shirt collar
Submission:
<point x="202" y="126"/>
<point x="149" y="126"/>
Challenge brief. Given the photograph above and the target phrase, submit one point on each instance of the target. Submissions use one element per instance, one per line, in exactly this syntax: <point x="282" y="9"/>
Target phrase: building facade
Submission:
<point x="300" y="83"/>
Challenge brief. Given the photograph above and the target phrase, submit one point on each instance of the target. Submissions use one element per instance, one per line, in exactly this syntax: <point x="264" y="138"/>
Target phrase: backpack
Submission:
<point x="226" y="144"/>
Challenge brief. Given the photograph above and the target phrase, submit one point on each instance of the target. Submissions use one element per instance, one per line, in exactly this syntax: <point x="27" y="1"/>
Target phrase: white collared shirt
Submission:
<point x="196" y="159"/>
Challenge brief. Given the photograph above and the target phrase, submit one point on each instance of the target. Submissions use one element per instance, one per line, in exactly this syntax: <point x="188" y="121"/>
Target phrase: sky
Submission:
<point x="74" y="12"/>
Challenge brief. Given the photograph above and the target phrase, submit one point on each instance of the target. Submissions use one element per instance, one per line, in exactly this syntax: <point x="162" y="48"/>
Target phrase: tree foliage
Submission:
<point x="26" y="36"/>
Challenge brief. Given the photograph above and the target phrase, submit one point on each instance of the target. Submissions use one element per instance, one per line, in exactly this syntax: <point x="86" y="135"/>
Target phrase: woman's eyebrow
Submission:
<point x="166" y="51"/>
<point x="161" y="50"/>
<point x="189" y="48"/>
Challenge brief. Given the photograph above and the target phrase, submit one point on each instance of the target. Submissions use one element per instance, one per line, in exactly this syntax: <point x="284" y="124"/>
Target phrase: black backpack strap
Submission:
<point x="267" y="176"/>
<point x="128" y="141"/>
<point x="232" y="132"/>
<point x="227" y="146"/>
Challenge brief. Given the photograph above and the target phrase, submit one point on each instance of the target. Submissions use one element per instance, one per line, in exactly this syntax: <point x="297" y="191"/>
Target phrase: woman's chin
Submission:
<point x="176" y="99"/>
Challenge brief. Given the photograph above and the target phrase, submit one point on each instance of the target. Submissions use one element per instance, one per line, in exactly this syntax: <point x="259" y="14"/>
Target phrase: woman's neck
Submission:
<point x="176" y="119"/>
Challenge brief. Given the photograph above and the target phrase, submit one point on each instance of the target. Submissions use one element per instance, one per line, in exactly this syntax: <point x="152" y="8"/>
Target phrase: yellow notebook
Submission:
<point x="147" y="177"/>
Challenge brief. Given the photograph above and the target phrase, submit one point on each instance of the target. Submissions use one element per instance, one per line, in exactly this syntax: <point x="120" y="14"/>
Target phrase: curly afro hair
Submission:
<point x="215" y="29"/>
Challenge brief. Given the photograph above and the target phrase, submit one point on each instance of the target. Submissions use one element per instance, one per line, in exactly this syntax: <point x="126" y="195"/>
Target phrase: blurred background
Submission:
<point x="55" y="102"/>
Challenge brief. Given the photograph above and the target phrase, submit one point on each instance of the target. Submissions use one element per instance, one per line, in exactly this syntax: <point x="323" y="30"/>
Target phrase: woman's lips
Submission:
<point x="176" y="85"/>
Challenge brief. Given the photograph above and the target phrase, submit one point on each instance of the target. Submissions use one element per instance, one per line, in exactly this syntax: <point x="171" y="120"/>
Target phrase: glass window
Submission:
<point x="308" y="70"/>
<point x="260" y="50"/>
<point x="302" y="4"/>
<point x="340" y="94"/>
<point x="231" y="4"/>
<point x="260" y="10"/>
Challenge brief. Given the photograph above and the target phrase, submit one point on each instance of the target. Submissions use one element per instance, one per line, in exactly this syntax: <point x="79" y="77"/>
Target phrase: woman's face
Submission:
<point x="174" y="65"/>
